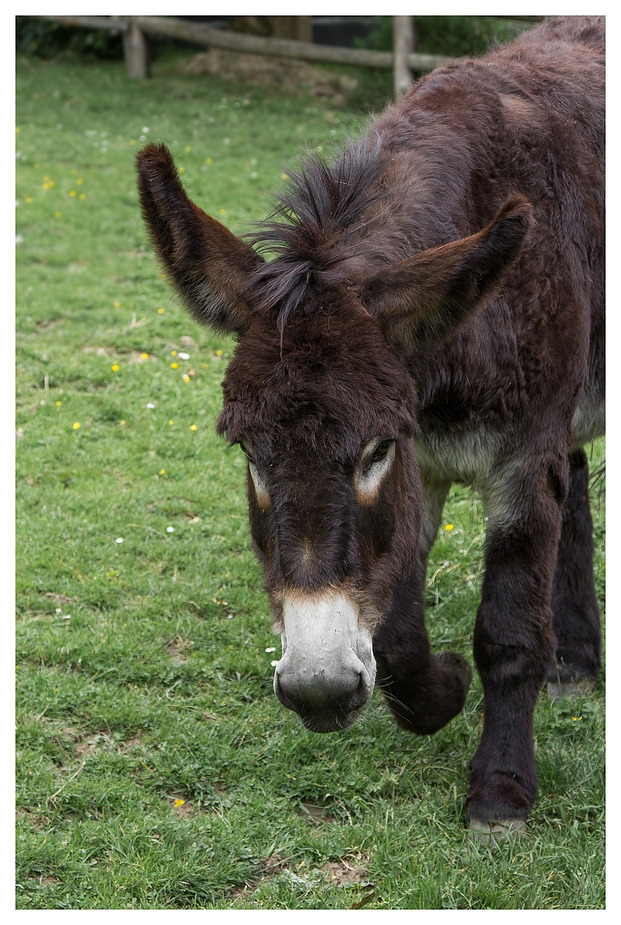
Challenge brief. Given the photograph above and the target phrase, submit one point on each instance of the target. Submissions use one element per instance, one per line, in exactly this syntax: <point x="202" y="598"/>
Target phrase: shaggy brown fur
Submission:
<point x="434" y="313"/>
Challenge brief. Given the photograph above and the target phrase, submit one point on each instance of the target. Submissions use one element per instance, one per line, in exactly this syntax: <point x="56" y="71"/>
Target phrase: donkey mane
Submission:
<point x="320" y="222"/>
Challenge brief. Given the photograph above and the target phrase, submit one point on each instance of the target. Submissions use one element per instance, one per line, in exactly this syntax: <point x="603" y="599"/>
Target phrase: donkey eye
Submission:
<point x="380" y="451"/>
<point x="377" y="455"/>
<point x="247" y="453"/>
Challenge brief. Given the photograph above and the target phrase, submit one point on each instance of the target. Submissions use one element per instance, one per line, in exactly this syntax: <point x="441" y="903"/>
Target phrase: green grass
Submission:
<point x="143" y="676"/>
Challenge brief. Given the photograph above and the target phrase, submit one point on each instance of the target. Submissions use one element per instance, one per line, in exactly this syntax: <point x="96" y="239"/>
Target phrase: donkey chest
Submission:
<point x="469" y="456"/>
<point x="458" y="457"/>
<point x="589" y="419"/>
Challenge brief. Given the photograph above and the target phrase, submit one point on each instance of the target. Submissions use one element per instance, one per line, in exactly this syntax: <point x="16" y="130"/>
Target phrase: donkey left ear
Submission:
<point x="431" y="295"/>
<point x="208" y="265"/>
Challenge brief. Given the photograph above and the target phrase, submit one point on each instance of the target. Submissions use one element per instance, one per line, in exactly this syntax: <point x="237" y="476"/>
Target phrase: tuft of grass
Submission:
<point x="156" y="770"/>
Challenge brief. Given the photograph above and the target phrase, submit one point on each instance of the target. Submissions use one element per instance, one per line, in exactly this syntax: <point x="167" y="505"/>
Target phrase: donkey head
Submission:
<point x="321" y="403"/>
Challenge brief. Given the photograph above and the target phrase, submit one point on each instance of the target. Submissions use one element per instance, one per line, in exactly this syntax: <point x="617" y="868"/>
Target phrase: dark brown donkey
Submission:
<point x="433" y="314"/>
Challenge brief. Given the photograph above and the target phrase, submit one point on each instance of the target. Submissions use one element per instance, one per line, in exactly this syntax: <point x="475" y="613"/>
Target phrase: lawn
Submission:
<point x="155" y="767"/>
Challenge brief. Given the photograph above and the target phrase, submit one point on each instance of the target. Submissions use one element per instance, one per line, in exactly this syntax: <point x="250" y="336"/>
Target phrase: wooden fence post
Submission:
<point x="136" y="49"/>
<point x="403" y="45"/>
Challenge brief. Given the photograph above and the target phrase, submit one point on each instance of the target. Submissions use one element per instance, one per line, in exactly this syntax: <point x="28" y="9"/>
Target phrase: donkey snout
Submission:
<point x="327" y="670"/>
<point x="325" y="699"/>
<point x="316" y="687"/>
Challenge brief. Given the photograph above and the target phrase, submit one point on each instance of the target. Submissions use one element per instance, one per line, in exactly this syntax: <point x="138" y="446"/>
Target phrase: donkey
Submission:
<point x="431" y="312"/>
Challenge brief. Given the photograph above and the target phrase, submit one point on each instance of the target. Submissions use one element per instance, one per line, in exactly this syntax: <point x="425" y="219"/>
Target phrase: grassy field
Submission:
<point x="156" y="770"/>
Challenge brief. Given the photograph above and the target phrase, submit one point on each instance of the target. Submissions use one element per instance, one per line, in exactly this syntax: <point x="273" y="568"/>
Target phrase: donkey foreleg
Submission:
<point x="514" y="641"/>
<point x="424" y="691"/>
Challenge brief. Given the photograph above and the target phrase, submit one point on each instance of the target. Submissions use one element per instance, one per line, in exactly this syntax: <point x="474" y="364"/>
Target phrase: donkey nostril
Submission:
<point x="281" y="694"/>
<point x="359" y="697"/>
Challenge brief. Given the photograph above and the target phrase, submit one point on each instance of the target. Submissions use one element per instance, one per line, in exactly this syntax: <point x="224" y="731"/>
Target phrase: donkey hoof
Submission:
<point x="458" y="665"/>
<point x="489" y="832"/>
<point x="559" y="689"/>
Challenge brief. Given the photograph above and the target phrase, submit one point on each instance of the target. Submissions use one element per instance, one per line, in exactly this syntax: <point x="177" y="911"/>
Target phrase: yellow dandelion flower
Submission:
<point x="58" y="404"/>
<point x="162" y="471"/>
<point x="76" y="426"/>
<point x="179" y="803"/>
<point x="73" y="192"/>
<point x="27" y="198"/>
<point x="187" y="149"/>
<point x="115" y="368"/>
<point x="174" y="366"/>
<point x="82" y="196"/>
<point x="160" y="311"/>
<point x="186" y="378"/>
<point x="173" y="353"/>
<point x="218" y="353"/>
<point x="79" y="182"/>
<point x="121" y="422"/>
<point x="144" y="356"/>
<point x="449" y="526"/>
<point x="171" y="423"/>
<point x="132" y="142"/>
<point x="58" y="214"/>
<point x="117" y="304"/>
<point x="193" y="427"/>
<point x="222" y="211"/>
<point x="209" y="160"/>
<point x="284" y="176"/>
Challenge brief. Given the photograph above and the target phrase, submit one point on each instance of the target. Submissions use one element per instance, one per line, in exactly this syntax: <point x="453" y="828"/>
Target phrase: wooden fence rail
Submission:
<point x="200" y="34"/>
<point x="134" y="28"/>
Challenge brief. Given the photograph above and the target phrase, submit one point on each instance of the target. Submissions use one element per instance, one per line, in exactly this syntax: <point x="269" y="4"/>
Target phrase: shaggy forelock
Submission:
<point x="316" y="226"/>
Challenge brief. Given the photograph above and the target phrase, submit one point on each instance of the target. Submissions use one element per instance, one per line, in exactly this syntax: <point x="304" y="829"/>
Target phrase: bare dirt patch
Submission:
<point x="35" y="820"/>
<point x="269" y="868"/>
<point x="177" y="649"/>
<point x="130" y="744"/>
<point x="317" y="814"/>
<point x="59" y="598"/>
<point x="87" y="745"/>
<point x="345" y="873"/>
<point x="50" y="881"/>
<point x="99" y="351"/>
<point x="182" y="807"/>
<point x="285" y="74"/>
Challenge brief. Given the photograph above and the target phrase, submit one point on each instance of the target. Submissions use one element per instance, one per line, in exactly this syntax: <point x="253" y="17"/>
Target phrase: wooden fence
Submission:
<point x="135" y="29"/>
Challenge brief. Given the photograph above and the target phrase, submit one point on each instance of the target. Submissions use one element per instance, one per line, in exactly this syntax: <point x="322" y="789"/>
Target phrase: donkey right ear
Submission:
<point x="430" y="296"/>
<point x="208" y="265"/>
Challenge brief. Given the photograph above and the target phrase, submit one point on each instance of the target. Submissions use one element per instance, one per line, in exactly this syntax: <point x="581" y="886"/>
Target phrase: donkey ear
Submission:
<point x="208" y="265"/>
<point x="431" y="295"/>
